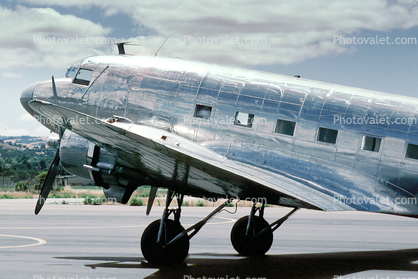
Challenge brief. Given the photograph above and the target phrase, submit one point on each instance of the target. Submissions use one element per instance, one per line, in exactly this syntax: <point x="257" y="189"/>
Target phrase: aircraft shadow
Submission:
<point x="321" y="265"/>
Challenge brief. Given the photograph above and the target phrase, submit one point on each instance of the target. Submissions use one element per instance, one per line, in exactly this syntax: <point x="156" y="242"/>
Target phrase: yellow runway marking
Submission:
<point x="39" y="241"/>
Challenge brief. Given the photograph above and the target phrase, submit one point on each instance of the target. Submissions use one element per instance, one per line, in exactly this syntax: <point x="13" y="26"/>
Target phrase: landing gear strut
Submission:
<point x="165" y="241"/>
<point x="252" y="235"/>
<point x="156" y="241"/>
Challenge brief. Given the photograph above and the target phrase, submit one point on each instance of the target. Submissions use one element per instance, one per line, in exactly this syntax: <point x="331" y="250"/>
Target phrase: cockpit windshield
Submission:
<point x="71" y="72"/>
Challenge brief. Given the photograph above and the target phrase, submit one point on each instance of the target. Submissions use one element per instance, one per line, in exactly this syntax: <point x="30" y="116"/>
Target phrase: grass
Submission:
<point x="142" y="195"/>
<point x="8" y="197"/>
<point x="91" y="199"/>
<point x="96" y="197"/>
<point x="136" y="202"/>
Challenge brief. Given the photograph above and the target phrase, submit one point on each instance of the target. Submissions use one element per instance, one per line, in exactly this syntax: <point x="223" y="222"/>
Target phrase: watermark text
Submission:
<point x="376" y="40"/>
<point x="41" y="40"/>
<point x="225" y="40"/>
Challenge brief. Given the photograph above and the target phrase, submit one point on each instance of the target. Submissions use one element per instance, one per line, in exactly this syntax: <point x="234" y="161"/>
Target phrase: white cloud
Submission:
<point x="10" y="75"/>
<point x="6" y="130"/>
<point x="27" y="37"/>
<point x="26" y="117"/>
<point x="289" y="32"/>
<point x="293" y="31"/>
<point x="27" y="126"/>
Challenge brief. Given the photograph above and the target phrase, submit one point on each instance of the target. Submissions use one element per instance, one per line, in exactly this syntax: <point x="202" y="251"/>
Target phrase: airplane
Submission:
<point x="212" y="131"/>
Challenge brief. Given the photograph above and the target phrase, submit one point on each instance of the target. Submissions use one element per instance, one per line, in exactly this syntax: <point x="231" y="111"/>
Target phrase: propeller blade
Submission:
<point x="151" y="198"/>
<point x="47" y="185"/>
<point x="61" y="131"/>
<point x="54" y="90"/>
<point x="53" y="169"/>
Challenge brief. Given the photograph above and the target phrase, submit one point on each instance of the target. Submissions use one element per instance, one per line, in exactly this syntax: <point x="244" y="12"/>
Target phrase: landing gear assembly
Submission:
<point x="165" y="241"/>
<point x="252" y="235"/>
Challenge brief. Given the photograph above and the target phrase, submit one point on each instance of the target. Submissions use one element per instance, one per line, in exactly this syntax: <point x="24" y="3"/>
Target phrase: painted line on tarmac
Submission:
<point x="227" y="220"/>
<point x="38" y="240"/>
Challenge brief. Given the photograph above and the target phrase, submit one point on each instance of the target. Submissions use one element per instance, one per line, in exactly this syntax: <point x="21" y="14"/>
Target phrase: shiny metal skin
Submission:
<point x="26" y="96"/>
<point x="235" y="113"/>
<point x="73" y="153"/>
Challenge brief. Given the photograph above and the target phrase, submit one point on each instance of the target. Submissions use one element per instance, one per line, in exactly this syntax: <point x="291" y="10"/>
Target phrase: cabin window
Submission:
<point x="412" y="151"/>
<point x="83" y="77"/>
<point x="285" y="127"/>
<point x="327" y="135"/>
<point x="202" y="111"/>
<point x="371" y="143"/>
<point x="244" y="119"/>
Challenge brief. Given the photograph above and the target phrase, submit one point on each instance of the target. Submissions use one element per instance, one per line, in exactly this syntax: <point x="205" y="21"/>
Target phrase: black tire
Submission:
<point x="158" y="255"/>
<point x="250" y="245"/>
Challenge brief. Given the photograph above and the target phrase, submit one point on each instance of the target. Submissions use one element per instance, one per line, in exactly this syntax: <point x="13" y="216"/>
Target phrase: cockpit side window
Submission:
<point x="71" y="72"/>
<point x="83" y="77"/>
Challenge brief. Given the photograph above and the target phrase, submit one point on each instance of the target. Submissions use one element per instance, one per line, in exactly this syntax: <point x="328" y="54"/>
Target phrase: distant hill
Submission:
<point x="22" y="142"/>
<point x="5" y="145"/>
<point x="23" y="158"/>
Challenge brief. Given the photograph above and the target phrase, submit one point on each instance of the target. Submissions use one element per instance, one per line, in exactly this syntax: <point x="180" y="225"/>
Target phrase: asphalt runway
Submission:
<point x="91" y="242"/>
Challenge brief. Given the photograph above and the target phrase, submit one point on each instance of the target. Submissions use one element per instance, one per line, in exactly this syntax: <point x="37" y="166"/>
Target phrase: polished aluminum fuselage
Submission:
<point x="163" y="93"/>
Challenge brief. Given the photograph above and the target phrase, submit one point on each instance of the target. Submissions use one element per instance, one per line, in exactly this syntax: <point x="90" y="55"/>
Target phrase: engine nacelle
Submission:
<point x="85" y="159"/>
<point x="73" y="154"/>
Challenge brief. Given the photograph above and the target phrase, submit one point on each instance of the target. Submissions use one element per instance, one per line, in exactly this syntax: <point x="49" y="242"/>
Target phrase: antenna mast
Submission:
<point x="162" y="45"/>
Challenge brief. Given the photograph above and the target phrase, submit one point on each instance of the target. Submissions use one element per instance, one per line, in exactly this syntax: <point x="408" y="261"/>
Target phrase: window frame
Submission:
<point x="71" y="70"/>
<point x="362" y="143"/>
<point x="250" y="120"/>
<point x="287" y="121"/>
<point x="323" y="141"/>
<point x="202" y="109"/>
<point x="406" y="151"/>
<point x="83" y="82"/>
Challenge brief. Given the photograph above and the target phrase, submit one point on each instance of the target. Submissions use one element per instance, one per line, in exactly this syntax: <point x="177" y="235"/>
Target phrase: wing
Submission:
<point x="164" y="155"/>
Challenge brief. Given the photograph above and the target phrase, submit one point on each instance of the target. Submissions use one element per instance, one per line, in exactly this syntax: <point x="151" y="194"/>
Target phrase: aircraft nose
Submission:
<point x="26" y="97"/>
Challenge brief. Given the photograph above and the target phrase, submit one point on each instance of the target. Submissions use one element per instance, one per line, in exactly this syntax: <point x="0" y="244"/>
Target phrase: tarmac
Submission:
<point x="76" y="241"/>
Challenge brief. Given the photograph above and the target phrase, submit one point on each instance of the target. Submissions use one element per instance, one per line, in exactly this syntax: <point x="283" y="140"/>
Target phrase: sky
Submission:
<point x="367" y="44"/>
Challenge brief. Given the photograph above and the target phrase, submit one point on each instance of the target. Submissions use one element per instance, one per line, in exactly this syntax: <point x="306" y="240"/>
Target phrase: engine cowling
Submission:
<point x="73" y="154"/>
<point x="85" y="159"/>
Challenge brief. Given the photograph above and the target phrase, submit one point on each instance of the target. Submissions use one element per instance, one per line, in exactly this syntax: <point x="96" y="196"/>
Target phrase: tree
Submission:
<point x="22" y="186"/>
<point x="42" y="164"/>
<point x="40" y="178"/>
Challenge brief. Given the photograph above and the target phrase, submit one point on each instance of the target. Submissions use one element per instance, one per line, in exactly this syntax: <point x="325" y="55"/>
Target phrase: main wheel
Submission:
<point x="252" y="244"/>
<point x="155" y="253"/>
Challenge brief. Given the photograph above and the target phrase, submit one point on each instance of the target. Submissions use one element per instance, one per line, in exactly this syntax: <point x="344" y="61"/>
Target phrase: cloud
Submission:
<point x="269" y="32"/>
<point x="6" y="130"/>
<point x="34" y="37"/>
<point x="10" y="75"/>
<point x="232" y="32"/>
<point x="27" y="126"/>
<point x="28" y="118"/>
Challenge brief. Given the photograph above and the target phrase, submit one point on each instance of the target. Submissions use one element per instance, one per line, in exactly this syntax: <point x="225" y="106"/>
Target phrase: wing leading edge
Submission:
<point x="159" y="153"/>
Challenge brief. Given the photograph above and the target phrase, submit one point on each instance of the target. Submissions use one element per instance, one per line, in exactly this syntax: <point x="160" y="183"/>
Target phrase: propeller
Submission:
<point x="53" y="169"/>
<point x="151" y="198"/>
<point x="47" y="185"/>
